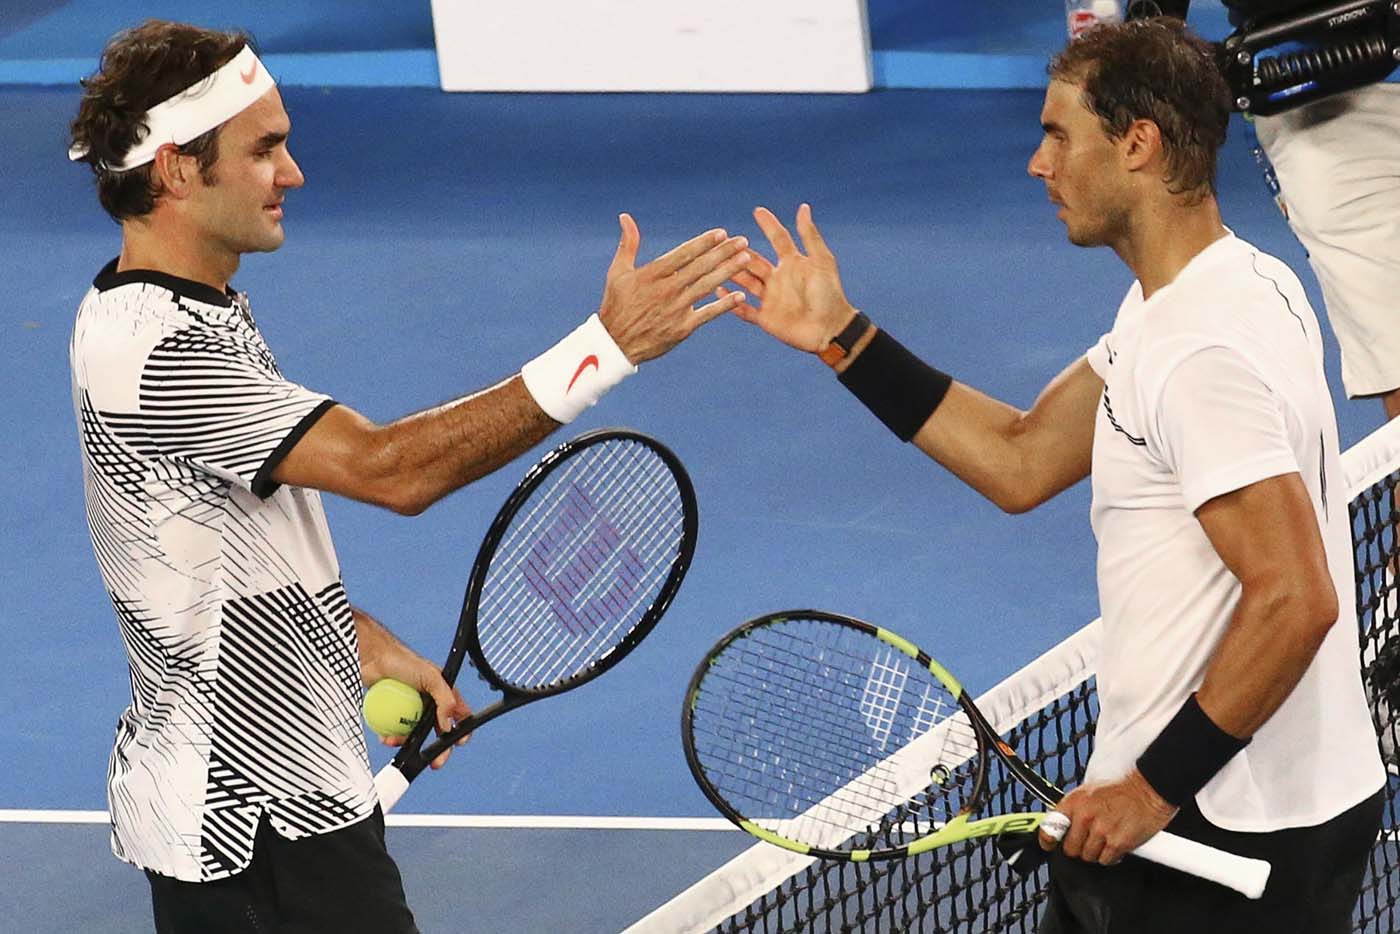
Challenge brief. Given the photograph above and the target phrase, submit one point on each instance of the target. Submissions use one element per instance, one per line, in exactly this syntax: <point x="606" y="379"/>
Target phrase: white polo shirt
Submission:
<point x="1213" y="384"/>
<point x="245" y="672"/>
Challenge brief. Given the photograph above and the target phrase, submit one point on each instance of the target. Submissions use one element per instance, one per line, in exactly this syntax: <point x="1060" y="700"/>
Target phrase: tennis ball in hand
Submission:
<point x="392" y="708"/>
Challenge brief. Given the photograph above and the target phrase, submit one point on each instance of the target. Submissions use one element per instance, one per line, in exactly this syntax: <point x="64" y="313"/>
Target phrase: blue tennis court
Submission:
<point x="440" y="242"/>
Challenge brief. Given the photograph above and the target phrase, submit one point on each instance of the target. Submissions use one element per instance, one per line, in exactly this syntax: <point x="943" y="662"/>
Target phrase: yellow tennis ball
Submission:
<point x="392" y="708"/>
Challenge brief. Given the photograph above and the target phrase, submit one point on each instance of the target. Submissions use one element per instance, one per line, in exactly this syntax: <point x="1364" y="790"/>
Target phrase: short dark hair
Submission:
<point x="141" y="67"/>
<point x="1155" y="69"/>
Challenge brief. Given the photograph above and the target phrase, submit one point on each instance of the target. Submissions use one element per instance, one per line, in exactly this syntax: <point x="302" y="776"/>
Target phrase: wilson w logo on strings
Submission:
<point x="579" y="566"/>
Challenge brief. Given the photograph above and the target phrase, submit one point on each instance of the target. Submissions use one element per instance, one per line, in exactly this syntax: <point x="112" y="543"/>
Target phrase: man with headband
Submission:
<point x="239" y="779"/>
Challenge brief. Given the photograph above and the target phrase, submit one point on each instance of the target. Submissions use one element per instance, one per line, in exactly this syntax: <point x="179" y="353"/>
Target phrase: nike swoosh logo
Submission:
<point x="250" y="74"/>
<point x="588" y="361"/>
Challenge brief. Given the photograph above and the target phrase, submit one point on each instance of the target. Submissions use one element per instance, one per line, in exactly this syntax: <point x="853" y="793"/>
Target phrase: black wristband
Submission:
<point x="899" y="388"/>
<point x="1187" y="754"/>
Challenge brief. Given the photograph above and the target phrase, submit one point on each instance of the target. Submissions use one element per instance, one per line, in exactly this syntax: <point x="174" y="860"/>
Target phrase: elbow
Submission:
<point x="1323" y="610"/>
<point x="1311" y="606"/>
<point x="389" y="482"/>
<point x="1015" y="505"/>
<point x="1016" y="500"/>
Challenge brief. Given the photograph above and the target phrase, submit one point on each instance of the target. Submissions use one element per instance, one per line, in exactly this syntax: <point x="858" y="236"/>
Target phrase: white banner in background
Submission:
<point x="653" y="45"/>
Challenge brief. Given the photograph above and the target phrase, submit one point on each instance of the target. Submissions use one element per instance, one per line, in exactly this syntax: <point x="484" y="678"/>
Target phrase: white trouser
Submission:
<point x="1338" y="163"/>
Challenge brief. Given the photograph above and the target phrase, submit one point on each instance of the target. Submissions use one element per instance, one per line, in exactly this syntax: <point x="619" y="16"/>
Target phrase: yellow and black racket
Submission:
<point x="828" y="736"/>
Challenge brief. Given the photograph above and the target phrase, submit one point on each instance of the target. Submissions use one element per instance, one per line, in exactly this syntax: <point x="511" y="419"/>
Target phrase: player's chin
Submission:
<point x="268" y="240"/>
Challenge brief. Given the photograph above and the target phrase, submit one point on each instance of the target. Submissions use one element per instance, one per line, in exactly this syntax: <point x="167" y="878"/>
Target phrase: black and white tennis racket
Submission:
<point x="577" y="567"/>
<point x="828" y="736"/>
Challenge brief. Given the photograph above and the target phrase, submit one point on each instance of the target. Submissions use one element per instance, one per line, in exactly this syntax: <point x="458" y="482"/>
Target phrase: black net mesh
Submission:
<point x="966" y="888"/>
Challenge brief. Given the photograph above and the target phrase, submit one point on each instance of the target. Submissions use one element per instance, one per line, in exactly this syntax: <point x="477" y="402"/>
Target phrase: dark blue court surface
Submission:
<point x="440" y="242"/>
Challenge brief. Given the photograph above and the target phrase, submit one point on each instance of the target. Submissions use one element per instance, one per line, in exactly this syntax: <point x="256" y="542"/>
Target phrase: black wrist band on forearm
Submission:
<point x="1187" y="754"/>
<point x="899" y="388"/>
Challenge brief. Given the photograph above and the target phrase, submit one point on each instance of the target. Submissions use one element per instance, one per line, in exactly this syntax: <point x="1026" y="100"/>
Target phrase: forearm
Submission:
<point x="427" y="455"/>
<point x="1017" y="459"/>
<point x="1274" y="634"/>
<point x="413" y="462"/>
<point x="376" y="643"/>
<point x="986" y="443"/>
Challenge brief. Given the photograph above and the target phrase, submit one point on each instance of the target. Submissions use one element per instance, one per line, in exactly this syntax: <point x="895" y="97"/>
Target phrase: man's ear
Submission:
<point x="1141" y="144"/>
<point x="173" y="172"/>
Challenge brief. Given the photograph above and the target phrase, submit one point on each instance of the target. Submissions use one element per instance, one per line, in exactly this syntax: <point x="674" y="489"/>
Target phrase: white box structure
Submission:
<point x="820" y="46"/>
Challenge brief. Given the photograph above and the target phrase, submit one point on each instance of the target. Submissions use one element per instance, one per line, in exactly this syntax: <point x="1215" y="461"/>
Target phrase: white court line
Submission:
<point x="484" y="821"/>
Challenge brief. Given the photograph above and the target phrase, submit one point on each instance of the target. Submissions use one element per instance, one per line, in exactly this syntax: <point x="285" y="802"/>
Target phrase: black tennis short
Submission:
<point x="1312" y="889"/>
<point x="342" y="882"/>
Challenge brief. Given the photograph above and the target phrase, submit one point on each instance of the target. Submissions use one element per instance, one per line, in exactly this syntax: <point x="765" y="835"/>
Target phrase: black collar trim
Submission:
<point x="109" y="278"/>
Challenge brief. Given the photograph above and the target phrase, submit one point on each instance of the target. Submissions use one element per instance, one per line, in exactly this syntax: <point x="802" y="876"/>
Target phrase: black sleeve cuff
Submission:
<point x="263" y="485"/>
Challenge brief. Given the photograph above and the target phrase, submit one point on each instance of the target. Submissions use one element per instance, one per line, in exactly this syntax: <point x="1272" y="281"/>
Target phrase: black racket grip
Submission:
<point x="1021" y="851"/>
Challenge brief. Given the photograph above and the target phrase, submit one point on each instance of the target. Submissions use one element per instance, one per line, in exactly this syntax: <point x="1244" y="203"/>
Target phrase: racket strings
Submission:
<point x="794" y="725"/>
<point x="586" y="595"/>
<point x="578" y="568"/>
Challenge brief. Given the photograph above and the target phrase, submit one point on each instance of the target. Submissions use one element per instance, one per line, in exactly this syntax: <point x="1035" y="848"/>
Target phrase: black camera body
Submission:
<point x="1277" y="61"/>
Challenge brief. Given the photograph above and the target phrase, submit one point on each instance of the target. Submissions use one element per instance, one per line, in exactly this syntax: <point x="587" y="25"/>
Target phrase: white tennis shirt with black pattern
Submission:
<point x="245" y="674"/>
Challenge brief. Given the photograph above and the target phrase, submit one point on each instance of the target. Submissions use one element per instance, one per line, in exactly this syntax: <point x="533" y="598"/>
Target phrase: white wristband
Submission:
<point x="574" y="373"/>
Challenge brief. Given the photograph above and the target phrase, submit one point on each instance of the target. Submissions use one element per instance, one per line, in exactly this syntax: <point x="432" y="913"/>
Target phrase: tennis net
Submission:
<point x="1046" y="712"/>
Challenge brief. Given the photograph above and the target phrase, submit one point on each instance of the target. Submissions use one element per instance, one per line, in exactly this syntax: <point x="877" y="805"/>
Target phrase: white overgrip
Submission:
<point x="390" y="785"/>
<point x="1241" y="873"/>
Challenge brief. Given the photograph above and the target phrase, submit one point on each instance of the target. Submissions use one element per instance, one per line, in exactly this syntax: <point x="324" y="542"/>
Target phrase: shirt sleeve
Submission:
<point x="1097" y="356"/>
<point x="1220" y="427"/>
<point x="216" y="401"/>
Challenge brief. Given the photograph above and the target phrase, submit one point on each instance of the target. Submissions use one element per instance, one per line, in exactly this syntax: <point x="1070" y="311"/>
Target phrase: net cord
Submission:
<point x="762" y="868"/>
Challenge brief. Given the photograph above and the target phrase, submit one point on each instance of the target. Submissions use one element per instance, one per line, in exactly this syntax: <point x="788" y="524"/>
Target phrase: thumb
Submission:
<point x="625" y="259"/>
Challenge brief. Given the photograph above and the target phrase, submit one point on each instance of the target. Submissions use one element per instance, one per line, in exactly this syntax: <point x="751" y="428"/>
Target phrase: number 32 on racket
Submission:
<point x="831" y="737"/>
<point x="577" y="567"/>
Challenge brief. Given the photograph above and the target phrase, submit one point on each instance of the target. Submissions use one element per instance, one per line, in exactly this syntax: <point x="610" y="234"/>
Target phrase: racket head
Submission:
<point x="579" y="564"/>
<point x="797" y="727"/>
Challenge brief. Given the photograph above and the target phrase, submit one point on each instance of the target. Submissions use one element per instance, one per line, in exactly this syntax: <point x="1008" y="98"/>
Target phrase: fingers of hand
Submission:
<point x="688" y="252"/>
<point x="729" y="301"/>
<point x="1053" y="830"/>
<point x="749" y="281"/>
<point x="739" y="306"/>
<point x="729" y="253"/>
<point x="716" y="277"/>
<point x="776" y="233"/>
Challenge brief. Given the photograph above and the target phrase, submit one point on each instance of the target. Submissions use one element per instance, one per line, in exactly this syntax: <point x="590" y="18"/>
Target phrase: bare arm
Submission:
<point x="413" y="462"/>
<point x="1267" y="535"/>
<point x="1017" y="459"/>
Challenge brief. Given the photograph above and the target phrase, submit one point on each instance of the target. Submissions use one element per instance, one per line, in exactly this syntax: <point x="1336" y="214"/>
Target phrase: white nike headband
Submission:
<point x="196" y="110"/>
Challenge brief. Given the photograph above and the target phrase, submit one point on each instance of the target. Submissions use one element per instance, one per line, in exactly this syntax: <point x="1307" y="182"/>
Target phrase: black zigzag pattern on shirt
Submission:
<point x="318" y="812"/>
<point x="116" y="518"/>
<point x="213" y="397"/>
<point x="280" y="743"/>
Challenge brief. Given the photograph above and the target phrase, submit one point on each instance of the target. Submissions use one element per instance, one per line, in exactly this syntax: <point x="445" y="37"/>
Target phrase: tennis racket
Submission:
<point x="577" y="567"/>
<point x="831" y="737"/>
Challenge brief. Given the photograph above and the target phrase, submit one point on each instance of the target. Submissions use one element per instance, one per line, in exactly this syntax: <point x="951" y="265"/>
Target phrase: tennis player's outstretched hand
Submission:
<point x="800" y="299"/>
<point x="650" y="310"/>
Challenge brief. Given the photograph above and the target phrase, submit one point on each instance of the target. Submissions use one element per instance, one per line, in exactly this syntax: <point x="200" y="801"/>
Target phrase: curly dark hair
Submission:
<point x="141" y="67"/>
<point x="1158" y="70"/>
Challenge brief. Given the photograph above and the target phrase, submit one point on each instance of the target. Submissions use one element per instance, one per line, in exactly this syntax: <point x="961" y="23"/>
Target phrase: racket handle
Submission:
<point x="1241" y="873"/>
<point x="390" y="785"/>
